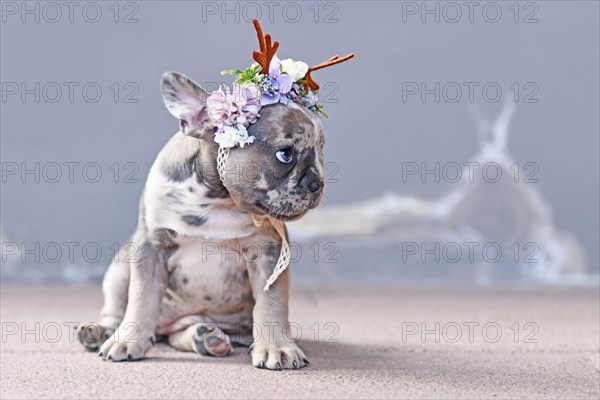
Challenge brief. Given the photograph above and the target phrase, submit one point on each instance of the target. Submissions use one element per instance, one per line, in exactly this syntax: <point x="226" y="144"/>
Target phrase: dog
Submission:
<point x="201" y="259"/>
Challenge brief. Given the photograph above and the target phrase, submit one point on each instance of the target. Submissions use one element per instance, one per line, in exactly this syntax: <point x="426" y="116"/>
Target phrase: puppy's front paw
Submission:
<point x="277" y="354"/>
<point x="128" y="343"/>
<point x="91" y="335"/>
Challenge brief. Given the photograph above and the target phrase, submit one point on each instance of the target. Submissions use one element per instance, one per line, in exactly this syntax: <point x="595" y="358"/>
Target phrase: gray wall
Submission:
<point x="371" y="128"/>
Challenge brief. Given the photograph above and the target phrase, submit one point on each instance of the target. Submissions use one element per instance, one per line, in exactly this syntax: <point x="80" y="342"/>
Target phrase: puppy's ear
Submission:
<point x="186" y="101"/>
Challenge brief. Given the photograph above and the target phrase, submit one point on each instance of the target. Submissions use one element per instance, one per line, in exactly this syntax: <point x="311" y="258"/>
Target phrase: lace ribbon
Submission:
<point x="284" y="255"/>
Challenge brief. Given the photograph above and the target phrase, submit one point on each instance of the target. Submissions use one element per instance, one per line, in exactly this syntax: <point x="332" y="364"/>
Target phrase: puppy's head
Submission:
<point x="281" y="173"/>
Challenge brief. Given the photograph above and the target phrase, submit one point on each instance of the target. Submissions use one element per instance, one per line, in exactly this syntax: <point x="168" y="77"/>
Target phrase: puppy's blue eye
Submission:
<point x="284" y="156"/>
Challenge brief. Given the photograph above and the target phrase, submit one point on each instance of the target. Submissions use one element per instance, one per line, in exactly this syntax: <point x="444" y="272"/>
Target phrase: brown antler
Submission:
<point x="267" y="51"/>
<point x="310" y="83"/>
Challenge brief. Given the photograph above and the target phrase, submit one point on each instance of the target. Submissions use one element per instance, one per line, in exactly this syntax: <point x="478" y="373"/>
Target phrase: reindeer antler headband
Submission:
<point x="268" y="81"/>
<point x="267" y="52"/>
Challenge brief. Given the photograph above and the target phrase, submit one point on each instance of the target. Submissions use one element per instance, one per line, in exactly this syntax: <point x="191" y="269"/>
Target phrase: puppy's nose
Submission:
<point x="314" y="186"/>
<point x="311" y="181"/>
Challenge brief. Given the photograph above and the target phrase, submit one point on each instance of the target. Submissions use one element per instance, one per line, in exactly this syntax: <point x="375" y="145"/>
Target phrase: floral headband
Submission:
<point x="267" y="81"/>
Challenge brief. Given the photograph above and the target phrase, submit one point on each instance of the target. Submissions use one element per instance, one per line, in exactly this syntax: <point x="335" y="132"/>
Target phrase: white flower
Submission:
<point x="231" y="136"/>
<point x="228" y="137"/>
<point x="243" y="137"/>
<point x="296" y="69"/>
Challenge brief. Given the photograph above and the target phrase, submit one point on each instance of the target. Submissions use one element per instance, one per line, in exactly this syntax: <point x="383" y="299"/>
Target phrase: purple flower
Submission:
<point x="310" y="99"/>
<point x="275" y="86"/>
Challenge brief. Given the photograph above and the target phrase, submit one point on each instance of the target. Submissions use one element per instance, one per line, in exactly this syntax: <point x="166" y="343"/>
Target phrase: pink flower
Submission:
<point x="230" y="108"/>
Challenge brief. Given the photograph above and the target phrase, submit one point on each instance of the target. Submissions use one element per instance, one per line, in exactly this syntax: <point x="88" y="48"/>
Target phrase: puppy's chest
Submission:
<point x="207" y="276"/>
<point x="186" y="206"/>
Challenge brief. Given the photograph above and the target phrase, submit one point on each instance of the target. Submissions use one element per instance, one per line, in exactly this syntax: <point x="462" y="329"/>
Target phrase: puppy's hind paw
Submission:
<point x="211" y="341"/>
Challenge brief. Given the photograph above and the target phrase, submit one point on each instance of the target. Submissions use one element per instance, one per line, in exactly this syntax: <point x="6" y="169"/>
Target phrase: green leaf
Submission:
<point x="231" y="71"/>
<point x="318" y="109"/>
<point x="257" y="68"/>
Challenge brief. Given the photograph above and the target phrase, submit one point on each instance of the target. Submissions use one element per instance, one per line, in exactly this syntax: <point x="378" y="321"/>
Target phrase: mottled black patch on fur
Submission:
<point x="180" y="171"/>
<point x="207" y="298"/>
<point x="295" y="124"/>
<point x="164" y="239"/>
<point x="207" y="174"/>
<point x="272" y="252"/>
<point x="185" y="280"/>
<point x="173" y="281"/>
<point x="195" y="220"/>
<point x="160" y="245"/>
<point x="269" y="256"/>
<point x="218" y="194"/>
<point x="174" y="196"/>
<point x="293" y="131"/>
<point x="241" y="277"/>
<point x="247" y="298"/>
<point x="238" y="309"/>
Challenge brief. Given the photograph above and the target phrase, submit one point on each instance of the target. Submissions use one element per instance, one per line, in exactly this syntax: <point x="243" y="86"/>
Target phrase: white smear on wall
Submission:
<point x="508" y="211"/>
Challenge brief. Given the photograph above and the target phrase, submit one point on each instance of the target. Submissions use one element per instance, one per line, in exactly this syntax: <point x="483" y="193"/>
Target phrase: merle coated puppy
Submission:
<point x="201" y="262"/>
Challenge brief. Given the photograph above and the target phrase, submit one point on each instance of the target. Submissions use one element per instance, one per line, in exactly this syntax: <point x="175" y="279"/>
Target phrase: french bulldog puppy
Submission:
<point x="200" y="264"/>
